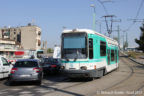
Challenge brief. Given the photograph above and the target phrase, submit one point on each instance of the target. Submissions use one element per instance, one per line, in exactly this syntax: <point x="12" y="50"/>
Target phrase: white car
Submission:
<point x="5" y="67"/>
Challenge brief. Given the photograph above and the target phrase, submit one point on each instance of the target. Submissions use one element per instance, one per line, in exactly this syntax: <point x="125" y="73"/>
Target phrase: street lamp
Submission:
<point x="94" y="17"/>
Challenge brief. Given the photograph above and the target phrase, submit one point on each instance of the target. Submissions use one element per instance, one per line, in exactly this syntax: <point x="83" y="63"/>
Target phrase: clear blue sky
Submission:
<point x="52" y="15"/>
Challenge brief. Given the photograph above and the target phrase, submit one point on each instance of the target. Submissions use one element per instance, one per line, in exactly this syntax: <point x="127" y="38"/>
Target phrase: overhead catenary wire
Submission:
<point x="139" y="9"/>
<point x="109" y="30"/>
<point x="103" y="6"/>
<point x="137" y="14"/>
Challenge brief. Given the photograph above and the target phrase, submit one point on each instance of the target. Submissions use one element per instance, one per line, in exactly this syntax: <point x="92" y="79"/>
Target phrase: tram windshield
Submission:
<point x="74" y="46"/>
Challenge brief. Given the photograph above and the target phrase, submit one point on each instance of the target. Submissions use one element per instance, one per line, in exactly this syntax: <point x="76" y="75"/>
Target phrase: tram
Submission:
<point x="86" y="53"/>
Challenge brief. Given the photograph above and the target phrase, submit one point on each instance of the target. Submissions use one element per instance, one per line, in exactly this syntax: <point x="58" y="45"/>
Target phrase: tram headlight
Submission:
<point x="62" y="67"/>
<point x="94" y="66"/>
<point x="83" y="67"/>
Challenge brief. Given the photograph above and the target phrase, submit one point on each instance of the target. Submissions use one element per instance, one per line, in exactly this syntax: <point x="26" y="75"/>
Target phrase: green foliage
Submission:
<point x="140" y="42"/>
<point x="132" y="54"/>
<point x="49" y="50"/>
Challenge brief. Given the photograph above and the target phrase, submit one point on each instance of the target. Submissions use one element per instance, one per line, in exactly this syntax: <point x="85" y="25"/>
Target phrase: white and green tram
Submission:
<point x="86" y="53"/>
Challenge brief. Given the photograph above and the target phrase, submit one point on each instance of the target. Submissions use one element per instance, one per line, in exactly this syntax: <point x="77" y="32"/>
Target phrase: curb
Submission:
<point x="136" y="61"/>
<point x="133" y="59"/>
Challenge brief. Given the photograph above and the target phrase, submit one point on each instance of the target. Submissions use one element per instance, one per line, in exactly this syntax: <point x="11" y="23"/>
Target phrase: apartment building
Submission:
<point x="8" y="47"/>
<point x="31" y="37"/>
<point x="23" y="38"/>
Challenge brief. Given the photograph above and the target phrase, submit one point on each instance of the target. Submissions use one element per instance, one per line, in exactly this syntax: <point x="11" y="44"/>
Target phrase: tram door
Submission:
<point x="108" y="56"/>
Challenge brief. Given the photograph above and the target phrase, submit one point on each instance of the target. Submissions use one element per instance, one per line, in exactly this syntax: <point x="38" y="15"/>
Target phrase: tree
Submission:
<point x="140" y="42"/>
<point x="49" y="50"/>
<point x="125" y="45"/>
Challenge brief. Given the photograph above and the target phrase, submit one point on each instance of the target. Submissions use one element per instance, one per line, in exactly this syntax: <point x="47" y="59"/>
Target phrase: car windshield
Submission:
<point x="26" y="64"/>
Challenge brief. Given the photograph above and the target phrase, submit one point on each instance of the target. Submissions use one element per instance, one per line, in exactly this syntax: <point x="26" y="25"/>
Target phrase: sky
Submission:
<point x="53" y="15"/>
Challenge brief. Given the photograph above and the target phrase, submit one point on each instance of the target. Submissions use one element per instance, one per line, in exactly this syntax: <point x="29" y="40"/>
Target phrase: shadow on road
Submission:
<point x="48" y="80"/>
<point x="123" y="56"/>
<point x="61" y="90"/>
<point x="26" y="83"/>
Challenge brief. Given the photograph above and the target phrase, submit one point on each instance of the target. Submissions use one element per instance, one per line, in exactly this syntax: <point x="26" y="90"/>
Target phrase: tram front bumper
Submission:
<point x="80" y="73"/>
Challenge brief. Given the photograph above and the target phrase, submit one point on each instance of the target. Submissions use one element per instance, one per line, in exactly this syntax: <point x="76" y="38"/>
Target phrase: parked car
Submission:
<point x="51" y="65"/>
<point x="5" y="67"/>
<point x="26" y="70"/>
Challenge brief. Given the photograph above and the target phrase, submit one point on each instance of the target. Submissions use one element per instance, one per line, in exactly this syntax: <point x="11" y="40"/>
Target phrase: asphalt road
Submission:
<point x="128" y="80"/>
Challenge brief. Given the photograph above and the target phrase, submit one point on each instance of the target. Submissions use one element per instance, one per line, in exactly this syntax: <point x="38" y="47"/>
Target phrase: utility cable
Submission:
<point x="103" y="7"/>
<point x="137" y="14"/>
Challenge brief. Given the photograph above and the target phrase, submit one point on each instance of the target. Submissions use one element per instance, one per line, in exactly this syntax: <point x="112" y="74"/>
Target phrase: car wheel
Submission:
<point x="11" y="83"/>
<point x="39" y="82"/>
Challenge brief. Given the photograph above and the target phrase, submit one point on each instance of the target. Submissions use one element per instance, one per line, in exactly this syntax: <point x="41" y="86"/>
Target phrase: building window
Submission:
<point x="19" y="38"/>
<point x="39" y="33"/>
<point x="91" y="48"/>
<point x="112" y="55"/>
<point x="39" y="42"/>
<point x="102" y="48"/>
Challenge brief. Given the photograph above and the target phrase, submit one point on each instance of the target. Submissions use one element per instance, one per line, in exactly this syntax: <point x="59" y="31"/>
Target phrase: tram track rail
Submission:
<point x="121" y="81"/>
<point x="138" y="90"/>
<point x="108" y="88"/>
<point x="129" y="76"/>
<point x="131" y="73"/>
<point x="93" y="94"/>
<point x="47" y="86"/>
<point x="130" y="65"/>
<point x="142" y="86"/>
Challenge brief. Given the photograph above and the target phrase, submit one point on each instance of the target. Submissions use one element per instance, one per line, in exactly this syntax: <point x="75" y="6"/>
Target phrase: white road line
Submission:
<point x="27" y="95"/>
<point x="15" y="89"/>
<point x="25" y="92"/>
<point x="3" y="93"/>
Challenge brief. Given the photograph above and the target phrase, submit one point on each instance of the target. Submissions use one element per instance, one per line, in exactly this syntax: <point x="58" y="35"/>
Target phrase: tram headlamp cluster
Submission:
<point x="62" y="67"/>
<point x="83" y="67"/>
<point x="94" y="66"/>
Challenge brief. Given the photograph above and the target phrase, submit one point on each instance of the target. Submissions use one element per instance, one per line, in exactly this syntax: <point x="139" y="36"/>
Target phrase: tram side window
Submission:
<point x="112" y="55"/>
<point x="91" y="48"/>
<point x="116" y="55"/>
<point x="102" y="48"/>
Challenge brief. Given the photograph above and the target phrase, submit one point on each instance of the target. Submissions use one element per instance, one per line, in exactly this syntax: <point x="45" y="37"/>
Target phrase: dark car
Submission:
<point x="26" y="70"/>
<point x="51" y="65"/>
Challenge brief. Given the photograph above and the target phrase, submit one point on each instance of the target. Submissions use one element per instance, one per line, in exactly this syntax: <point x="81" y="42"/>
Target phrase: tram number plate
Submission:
<point x="71" y="66"/>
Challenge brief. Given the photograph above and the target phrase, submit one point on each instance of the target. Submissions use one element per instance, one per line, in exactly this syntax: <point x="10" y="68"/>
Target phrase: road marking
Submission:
<point x="15" y="89"/>
<point x="10" y="95"/>
<point x="27" y="95"/>
<point x="25" y="92"/>
<point x="3" y="92"/>
<point x="43" y="91"/>
<point x="30" y="86"/>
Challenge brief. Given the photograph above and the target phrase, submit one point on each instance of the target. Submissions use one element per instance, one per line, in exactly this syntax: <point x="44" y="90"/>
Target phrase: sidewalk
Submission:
<point x="139" y="60"/>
